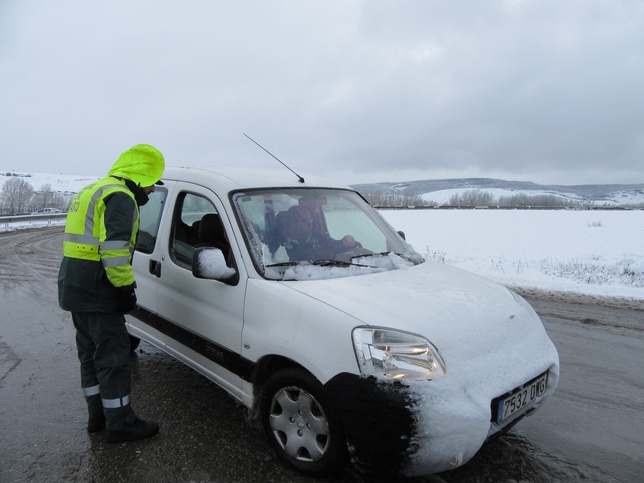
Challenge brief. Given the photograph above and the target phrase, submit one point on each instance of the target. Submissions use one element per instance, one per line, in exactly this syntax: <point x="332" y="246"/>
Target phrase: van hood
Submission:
<point x="448" y="306"/>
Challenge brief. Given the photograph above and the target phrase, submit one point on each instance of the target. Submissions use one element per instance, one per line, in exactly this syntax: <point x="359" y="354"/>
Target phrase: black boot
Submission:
<point x="96" y="423"/>
<point x="138" y="429"/>
<point x="96" y="420"/>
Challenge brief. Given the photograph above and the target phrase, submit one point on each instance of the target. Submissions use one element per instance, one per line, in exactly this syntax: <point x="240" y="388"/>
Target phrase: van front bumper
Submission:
<point x="378" y="421"/>
<point x="419" y="427"/>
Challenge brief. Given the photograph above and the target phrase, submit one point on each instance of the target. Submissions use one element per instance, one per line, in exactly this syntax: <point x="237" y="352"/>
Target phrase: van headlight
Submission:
<point x="395" y="355"/>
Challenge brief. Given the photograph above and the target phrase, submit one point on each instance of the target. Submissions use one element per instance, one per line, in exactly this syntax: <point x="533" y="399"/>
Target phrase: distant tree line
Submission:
<point x="19" y="197"/>
<point x="408" y="198"/>
<point x="478" y="197"/>
<point x="475" y="197"/>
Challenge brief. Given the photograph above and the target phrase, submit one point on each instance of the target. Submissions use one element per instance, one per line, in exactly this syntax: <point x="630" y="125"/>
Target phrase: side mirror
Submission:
<point x="402" y="235"/>
<point x="208" y="262"/>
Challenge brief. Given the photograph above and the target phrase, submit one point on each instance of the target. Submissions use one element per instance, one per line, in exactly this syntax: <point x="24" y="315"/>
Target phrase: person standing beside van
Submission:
<point x="96" y="284"/>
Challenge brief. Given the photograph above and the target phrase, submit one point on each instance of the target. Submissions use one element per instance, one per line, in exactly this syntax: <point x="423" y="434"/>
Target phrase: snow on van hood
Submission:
<point x="490" y="339"/>
<point x="430" y="299"/>
<point x="464" y="315"/>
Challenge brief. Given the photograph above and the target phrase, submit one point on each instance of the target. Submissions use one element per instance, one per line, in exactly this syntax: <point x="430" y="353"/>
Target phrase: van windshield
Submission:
<point x="318" y="233"/>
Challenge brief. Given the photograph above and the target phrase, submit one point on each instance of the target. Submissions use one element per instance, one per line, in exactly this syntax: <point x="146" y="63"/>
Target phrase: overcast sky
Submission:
<point x="550" y="91"/>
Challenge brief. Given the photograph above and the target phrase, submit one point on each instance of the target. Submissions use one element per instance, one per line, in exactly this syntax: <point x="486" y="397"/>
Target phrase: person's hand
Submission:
<point x="127" y="299"/>
<point x="348" y="241"/>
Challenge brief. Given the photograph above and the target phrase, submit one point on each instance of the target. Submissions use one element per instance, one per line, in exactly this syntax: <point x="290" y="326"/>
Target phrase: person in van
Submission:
<point x="303" y="242"/>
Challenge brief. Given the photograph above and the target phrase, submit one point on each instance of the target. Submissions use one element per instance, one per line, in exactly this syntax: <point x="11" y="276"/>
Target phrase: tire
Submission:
<point x="301" y="423"/>
<point x="134" y="343"/>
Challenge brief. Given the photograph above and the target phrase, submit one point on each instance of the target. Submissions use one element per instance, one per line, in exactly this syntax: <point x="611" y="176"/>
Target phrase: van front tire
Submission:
<point x="301" y="423"/>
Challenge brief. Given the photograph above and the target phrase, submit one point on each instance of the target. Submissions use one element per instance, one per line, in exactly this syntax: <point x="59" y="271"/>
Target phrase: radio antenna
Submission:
<point x="298" y="176"/>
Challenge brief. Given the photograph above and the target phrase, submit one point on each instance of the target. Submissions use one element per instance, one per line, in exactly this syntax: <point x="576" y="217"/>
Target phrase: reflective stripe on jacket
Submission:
<point x="87" y="231"/>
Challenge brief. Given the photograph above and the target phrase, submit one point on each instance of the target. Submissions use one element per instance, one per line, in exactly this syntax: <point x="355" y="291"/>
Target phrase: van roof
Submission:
<point x="228" y="179"/>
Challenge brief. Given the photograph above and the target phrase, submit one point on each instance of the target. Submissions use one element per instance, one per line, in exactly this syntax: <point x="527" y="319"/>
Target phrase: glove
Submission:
<point x="127" y="299"/>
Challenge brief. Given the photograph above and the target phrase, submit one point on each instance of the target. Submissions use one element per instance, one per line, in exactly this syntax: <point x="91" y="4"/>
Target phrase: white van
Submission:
<point x="302" y="302"/>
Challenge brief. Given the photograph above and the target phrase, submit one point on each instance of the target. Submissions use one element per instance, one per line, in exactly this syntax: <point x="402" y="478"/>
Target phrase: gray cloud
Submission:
<point x="547" y="91"/>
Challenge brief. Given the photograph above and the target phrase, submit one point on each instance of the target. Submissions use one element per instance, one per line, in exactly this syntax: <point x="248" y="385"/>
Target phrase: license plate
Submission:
<point x="520" y="398"/>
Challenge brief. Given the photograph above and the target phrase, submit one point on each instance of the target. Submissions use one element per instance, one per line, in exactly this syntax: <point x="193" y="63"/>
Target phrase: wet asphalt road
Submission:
<point x="591" y="430"/>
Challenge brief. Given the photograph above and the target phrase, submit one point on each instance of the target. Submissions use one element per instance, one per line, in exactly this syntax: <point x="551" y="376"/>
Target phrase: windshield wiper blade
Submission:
<point x="282" y="264"/>
<point x="319" y="263"/>
<point x="338" y="263"/>
<point x="376" y="254"/>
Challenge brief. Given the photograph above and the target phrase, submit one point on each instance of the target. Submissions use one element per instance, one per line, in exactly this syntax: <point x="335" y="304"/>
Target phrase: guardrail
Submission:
<point x="8" y="219"/>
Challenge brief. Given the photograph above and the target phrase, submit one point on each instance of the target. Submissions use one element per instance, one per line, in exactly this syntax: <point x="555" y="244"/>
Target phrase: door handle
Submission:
<point x="155" y="268"/>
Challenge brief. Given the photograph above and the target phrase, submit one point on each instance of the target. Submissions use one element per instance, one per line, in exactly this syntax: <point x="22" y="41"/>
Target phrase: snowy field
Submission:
<point x="588" y="252"/>
<point x="591" y="252"/>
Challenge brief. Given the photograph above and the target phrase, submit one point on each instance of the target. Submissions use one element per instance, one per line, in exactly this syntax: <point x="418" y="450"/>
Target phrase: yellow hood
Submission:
<point x="142" y="163"/>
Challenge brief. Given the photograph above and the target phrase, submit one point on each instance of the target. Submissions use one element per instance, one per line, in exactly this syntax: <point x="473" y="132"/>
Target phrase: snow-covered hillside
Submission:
<point x="61" y="183"/>
<point x="441" y="190"/>
<point x="438" y="191"/>
<point x="618" y="198"/>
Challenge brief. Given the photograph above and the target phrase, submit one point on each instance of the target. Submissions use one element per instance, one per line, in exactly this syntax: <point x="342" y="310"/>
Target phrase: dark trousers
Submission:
<point x="103" y="351"/>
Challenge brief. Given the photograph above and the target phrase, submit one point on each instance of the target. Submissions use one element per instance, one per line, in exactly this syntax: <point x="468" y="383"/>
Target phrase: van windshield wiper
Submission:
<point x="376" y="254"/>
<point x="282" y="264"/>
<point x="319" y="263"/>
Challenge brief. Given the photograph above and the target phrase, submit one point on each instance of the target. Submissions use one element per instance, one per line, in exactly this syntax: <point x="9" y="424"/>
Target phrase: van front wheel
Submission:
<point x="302" y="424"/>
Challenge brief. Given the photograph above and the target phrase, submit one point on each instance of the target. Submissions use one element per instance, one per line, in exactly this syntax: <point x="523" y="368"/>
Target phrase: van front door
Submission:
<point x="145" y="265"/>
<point x="203" y="319"/>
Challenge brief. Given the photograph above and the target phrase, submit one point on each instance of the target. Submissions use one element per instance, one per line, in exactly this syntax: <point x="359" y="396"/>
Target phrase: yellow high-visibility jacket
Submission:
<point x="100" y="236"/>
<point x="86" y="231"/>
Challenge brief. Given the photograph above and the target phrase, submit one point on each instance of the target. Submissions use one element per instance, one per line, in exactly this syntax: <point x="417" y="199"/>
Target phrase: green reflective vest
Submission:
<point x="89" y="237"/>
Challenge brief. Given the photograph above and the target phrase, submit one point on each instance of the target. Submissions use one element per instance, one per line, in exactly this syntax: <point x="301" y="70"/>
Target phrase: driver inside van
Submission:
<point x="303" y="242"/>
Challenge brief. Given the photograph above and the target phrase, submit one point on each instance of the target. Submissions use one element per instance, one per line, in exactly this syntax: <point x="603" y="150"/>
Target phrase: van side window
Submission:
<point x="149" y="219"/>
<point x="196" y="224"/>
